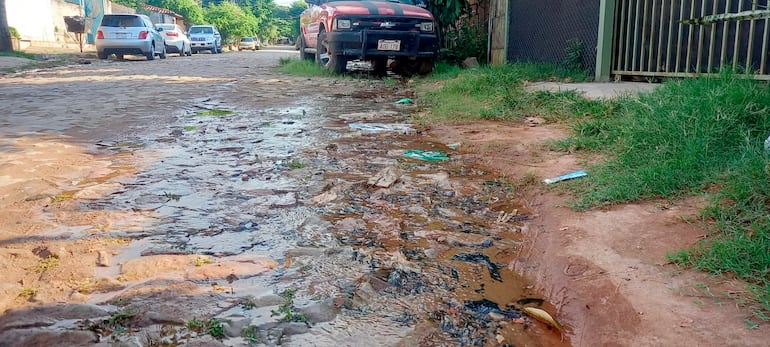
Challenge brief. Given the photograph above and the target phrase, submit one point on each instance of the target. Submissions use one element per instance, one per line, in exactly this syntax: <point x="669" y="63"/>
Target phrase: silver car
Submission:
<point x="122" y="34"/>
<point x="205" y="38"/>
<point x="176" y="39"/>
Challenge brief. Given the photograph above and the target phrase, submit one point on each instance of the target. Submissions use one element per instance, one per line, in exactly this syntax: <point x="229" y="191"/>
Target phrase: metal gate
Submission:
<point x="685" y="38"/>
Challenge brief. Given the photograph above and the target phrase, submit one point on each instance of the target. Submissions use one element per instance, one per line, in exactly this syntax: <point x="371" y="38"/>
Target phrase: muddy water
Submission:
<point x="245" y="197"/>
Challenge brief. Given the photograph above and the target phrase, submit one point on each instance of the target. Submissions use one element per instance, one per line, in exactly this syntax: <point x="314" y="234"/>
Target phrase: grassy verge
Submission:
<point x="689" y="137"/>
<point x="497" y="92"/>
<point x="18" y="55"/>
<point x="302" y="68"/>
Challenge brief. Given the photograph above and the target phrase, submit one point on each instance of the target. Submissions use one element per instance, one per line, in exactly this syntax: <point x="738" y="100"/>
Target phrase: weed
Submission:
<point x="303" y="68"/>
<point x="171" y="196"/>
<point x="248" y="303"/>
<point x="46" y="264"/>
<point x="214" y="113"/>
<point x="287" y="310"/>
<point x="195" y="325"/>
<point x="27" y="292"/>
<point x="121" y="318"/>
<point x="215" y="328"/>
<point x="200" y="261"/>
<point x="212" y="326"/>
<point x="295" y="164"/>
<point x="190" y="128"/>
<point x="251" y="334"/>
<point x="61" y="197"/>
<point x="18" y="55"/>
<point x="574" y="54"/>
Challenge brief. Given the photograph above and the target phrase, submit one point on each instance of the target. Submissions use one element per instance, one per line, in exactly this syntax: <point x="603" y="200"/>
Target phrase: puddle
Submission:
<point x="249" y="204"/>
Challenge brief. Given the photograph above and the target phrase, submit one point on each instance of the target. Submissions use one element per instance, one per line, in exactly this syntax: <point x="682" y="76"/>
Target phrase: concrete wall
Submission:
<point x="32" y="18"/>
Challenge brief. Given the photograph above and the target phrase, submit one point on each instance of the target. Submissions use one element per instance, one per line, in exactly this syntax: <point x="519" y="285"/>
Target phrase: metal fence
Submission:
<point x="547" y="30"/>
<point x="660" y="38"/>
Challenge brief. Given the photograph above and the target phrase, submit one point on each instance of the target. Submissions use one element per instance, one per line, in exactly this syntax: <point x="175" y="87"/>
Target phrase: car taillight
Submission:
<point x="99" y="35"/>
<point x="143" y="34"/>
<point x="172" y="34"/>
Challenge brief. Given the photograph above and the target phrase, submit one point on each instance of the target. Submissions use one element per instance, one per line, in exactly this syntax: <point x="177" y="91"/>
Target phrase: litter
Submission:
<point x="426" y="155"/>
<point x="405" y="101"/>
<point x="565" y="177"/>
<point x="382" y="127"/>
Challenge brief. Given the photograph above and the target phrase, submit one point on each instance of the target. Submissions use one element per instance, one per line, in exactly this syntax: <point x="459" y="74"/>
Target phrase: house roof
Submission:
<point x="162" y="11"/>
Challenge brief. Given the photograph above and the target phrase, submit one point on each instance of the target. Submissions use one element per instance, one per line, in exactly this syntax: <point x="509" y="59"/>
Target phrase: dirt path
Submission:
<point x="211" y="201"/>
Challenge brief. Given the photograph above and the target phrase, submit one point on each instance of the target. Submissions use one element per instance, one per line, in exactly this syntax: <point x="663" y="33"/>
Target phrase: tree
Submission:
<point x="189" y="9"/>
<point x="231" y="20"/>
<point x="5" y="32"/>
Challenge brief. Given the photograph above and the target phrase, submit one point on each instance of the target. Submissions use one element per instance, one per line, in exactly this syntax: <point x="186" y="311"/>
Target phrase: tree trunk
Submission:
<point x="5" y="33"/>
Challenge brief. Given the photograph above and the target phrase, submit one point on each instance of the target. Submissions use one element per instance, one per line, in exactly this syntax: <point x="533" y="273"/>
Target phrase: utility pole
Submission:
<point x="5" y="32"/>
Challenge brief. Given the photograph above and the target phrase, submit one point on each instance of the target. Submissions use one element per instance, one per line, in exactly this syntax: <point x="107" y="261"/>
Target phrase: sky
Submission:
<point x="283" y="2"/>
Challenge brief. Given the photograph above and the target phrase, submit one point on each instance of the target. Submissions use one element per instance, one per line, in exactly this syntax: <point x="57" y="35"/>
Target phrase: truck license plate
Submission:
<point x="389" y="45"/>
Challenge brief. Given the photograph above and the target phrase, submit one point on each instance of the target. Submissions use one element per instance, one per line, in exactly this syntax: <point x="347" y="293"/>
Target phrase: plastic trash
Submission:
<point x="382" y="127"/>
<point x="426" y="155"/>
<point x="454" y="145"/>
<point x="565" y="177"/>
<point x="405" y="101"/>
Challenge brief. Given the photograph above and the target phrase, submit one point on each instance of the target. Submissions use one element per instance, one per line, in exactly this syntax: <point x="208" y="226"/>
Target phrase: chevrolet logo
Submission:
<point x="387" y="25"/>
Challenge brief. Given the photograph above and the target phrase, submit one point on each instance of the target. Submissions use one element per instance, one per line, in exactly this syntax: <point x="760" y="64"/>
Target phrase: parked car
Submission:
<point x="176" y="39"/>
<point x="122" y="34"/>
<point x="335" y="32"/>
<point x="248" y="43"/>
<point x="205" y="38"/>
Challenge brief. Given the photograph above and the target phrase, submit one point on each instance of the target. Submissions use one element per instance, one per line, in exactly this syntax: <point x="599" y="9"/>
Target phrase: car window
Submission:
<point x="167" y="26"/>
<point x="247" y="39"/>
<point x="118" y="21"/>
<point x="201" y="30"/>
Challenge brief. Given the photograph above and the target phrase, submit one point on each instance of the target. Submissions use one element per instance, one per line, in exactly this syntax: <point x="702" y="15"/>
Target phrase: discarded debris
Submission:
<point x="484" y="307"/>
<point x="382" y="127"/>
<point x="494" y="269"/>
<point x="544" y="317"/>
<point x="385" y="178"/>
<point x="426" y="155"/>
<point x="565" y="177"/>
<point x="405" y="101"/>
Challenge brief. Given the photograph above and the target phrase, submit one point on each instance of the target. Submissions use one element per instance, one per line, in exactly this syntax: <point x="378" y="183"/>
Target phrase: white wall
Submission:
<point x="32" y="18"/>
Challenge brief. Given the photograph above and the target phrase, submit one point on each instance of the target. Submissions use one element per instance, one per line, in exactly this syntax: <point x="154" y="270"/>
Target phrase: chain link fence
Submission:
<point x="554" y="31"/>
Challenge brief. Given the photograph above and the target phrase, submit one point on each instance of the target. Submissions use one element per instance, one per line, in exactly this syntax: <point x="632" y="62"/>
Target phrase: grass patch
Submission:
<point x="213" y="327"/>
<point x="27" y="293"/>
<point x="498" y="92"/>
<point x="287" y="311"/>
<point x="302" y="68"/>
<point x="18" y="55"/>
<point x="61" y="197"/>
<point x="190" y="128"/>
<point x="47" y="264"/>
<point x="296" y="164"/>
<point x="214" y="113"/>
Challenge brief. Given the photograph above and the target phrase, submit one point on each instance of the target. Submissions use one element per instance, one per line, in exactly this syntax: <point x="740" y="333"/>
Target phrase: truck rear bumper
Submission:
<point x="364" y="44"/>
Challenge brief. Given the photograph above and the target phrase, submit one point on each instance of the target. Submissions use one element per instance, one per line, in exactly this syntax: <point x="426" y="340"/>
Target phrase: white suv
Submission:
<point x="205" y="38"/>
<point x="122" y="34"/>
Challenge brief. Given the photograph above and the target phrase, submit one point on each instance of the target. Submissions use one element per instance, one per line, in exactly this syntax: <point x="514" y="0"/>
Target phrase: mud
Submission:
<point x="210" y="200"/>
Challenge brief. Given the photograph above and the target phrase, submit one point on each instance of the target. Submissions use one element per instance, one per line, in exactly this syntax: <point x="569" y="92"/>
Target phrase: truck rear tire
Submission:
<point x="327" y="59"/>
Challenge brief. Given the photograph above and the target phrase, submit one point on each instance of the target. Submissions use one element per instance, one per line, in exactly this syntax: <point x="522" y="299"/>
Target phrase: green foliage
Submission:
<point x="295" y="164"/>
<point x="189" y="9"/>
<point x="447" y="14"/>
<point x="14" y="33"/>
<point x="302" y="68"/>
<point x="574" y="55"/>
<point x="287" y="311"/>
<point x="497" y="92"/>
<point x="47" y="264"/>
<point x="214" y="113"/>
<point x="213" y="327"/>
<point x="469" y="39"/>
<point x="232" y="21"/>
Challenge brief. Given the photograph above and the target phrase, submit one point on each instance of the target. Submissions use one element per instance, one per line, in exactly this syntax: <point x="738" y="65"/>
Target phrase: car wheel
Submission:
<point x="302" y="46"/>
<point x="151" y="54"/>
<point x="101" y="55"/>
<point x="163" y="53"/>
<point x="326" y="58"/>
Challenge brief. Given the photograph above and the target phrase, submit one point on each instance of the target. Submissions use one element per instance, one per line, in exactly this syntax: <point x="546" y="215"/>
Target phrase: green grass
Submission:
<point x="214" y="113"/>
<point x="496" y="92"/>
<point x="302" y="68"/>
<point x="190" y="128"/>
<point x="296" y="164"/>
<point x="18" y="55"/>
<point x="287" y="311"/>
<point x="691" y="137"/>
